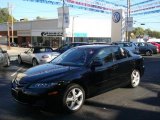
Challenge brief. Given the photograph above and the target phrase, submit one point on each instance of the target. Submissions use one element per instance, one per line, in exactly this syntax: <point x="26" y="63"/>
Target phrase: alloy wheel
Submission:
<point x="74" y="99"/>
<point x="135" y="78"/>
<point x="19" y="60"/>
<point x="34" y="62"/>
<point x="148" y="53"/>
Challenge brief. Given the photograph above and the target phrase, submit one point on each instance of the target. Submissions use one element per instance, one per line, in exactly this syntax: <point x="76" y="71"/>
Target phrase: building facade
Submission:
<point x="47" y="33"/>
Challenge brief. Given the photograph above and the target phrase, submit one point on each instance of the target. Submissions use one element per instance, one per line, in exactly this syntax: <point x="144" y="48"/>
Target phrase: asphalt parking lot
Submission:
<point x="141" y="103"/>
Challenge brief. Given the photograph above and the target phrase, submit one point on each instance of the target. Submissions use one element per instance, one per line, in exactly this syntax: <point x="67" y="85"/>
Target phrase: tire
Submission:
<point x="148" y="53"/>
<point x="20" y="60"/>
<point x="34" y="62"/>
<point x="73" y="98"/>
<point x="8" y="62"/>
<point x="135" y="78"/>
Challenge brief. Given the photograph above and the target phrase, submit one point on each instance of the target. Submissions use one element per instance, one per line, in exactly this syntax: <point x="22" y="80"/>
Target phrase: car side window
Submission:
<point x="119" y="53"/>
<point x="105" y="55"/>
<point x="49" y="50"/>
<point x="0" y="50"/>
<point x="30" y="51"/>
<point x="64" y="48"/>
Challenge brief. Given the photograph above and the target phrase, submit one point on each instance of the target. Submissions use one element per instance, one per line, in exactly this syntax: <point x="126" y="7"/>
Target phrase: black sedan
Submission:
<point x="78" y="74"/>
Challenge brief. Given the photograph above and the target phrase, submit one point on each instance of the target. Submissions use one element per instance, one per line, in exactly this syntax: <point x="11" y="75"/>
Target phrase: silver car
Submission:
<point x="4" y="58"/>
<point x="37" y="55"/>
<point x="128" y="45"/>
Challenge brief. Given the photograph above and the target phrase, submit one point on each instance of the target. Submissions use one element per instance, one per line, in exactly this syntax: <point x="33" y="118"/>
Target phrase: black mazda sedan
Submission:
<point x="77" y="74"/>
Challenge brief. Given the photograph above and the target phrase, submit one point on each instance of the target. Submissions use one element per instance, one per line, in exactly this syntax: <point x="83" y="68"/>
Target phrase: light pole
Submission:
<point x="128" y="15"/>
<point x="63" y="37"/>
<point x="73" y="28"/>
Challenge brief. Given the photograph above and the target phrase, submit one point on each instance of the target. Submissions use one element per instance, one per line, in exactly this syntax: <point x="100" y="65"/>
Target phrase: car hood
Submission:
<point x="45" y="72"/>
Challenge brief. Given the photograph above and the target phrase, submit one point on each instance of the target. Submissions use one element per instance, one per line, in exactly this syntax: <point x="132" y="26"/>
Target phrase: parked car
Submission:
<point x="4" y="58"/>
<point x="13" y="44"/>
<point x="156" y="44"/>
<point x="77" y="74"/>
<point x="147" y="48"/>
<point x="68" y="46"/>
<point x="99" y="43"/>
<point x="128" y="45"/>
<point x="37" y="55"/>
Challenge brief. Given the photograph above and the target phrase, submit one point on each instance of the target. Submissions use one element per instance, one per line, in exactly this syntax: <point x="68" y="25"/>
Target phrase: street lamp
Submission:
<point x="73" y="28"/>
<point x="128" y="15"/>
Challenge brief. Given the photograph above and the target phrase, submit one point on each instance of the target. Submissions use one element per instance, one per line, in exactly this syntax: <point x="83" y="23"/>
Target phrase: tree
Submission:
<point x="24" y="19"/>
<point x="5" y="16"/>
<point x="39" y="18"/>
<point x="138" y="31"/>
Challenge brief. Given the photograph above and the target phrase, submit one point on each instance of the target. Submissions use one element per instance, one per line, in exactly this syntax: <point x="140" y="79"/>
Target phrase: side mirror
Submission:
<point x="25" y="52"/>
<point x="96" y="63"/>
<point x="4" y="51"/>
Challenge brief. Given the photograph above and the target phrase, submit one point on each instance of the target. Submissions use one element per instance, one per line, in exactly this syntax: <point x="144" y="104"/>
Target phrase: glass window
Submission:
<point x="105" y="55"/>
<point x="30" y="50"/>
<point x="75" y="56"/>
<point x="49" y="50"/>
<point x="119" y="53"/>
<point x="0" y="50"/>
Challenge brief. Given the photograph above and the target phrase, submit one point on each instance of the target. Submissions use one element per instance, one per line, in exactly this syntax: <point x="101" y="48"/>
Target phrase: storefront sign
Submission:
<point x="24" y="33"/>
<point x="80" y="34"/>
<point x="63" y="17"/>
<point x="51" y="34"/>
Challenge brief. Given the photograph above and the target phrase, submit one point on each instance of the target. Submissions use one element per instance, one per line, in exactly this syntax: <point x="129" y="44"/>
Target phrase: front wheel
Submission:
<point x="34" y="62"/>
<point x="73" y="98"/>
<point x="135" y="78"/>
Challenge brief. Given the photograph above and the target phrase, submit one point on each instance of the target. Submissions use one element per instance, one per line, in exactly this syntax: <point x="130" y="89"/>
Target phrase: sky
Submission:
<point x="27" y="9"/>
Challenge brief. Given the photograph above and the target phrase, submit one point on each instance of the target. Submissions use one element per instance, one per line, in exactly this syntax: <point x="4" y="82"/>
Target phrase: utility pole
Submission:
<point x="63" y="37"/>
<point x="128" y="15"/>
<point x="8" y="28"/>
<point x="12" y="23"/>
<point x="73" y="27"/>
<point x="129" y="7"/>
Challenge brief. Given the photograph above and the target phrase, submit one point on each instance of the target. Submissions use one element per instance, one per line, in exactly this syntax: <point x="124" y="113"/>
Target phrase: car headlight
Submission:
<point x="42" y="85"/>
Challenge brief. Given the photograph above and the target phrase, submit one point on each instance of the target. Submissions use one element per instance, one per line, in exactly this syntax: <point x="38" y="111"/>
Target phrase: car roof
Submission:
<point x="96" y="46"/>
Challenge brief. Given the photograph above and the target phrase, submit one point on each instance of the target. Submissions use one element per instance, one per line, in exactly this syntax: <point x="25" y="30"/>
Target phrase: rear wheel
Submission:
<point x="7" y="62"/>
<point x="73" y="98"/>
<point x="135" y="78"/>
<point x="19" y="60"/>
<point x="34" y="62"/>
<point x="148" y="53"/>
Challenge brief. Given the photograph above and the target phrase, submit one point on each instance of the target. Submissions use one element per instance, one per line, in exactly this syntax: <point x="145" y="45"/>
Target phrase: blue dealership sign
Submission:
<point x="80" y="34"/>
<point x="116" y="17"/>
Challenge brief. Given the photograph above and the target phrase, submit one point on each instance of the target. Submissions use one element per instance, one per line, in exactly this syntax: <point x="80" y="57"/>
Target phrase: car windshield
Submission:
<point x="75" y="57"/>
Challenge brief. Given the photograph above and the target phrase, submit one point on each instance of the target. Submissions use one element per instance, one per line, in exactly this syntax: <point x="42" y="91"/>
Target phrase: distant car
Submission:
<point x="4" y="58"/>
<point x="128" y="45"/>
<point x="77" y="74"/>
<point x="13" y="44"/>
<point x="68" y="46"/>
<point x="156" y="44"/>
<point x="147" y="48"/>
<point x="37" y="55"/>
<point x="99" y="43"/>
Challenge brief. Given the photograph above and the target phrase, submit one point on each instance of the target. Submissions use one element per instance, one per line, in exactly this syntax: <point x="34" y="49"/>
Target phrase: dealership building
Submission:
<point x="47" y="33"/>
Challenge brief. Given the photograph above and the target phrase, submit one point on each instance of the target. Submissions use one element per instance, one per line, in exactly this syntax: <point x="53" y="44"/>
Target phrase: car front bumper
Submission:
<point x="34" y="98"/>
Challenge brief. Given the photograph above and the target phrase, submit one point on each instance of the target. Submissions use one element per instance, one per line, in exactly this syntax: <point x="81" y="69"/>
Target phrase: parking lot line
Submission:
<point x="16" y="72"/>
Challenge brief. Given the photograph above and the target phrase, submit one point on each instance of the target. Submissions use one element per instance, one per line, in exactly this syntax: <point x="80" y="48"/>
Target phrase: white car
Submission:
<point x="4" y="58"/>
<point x="37" y="55"/>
